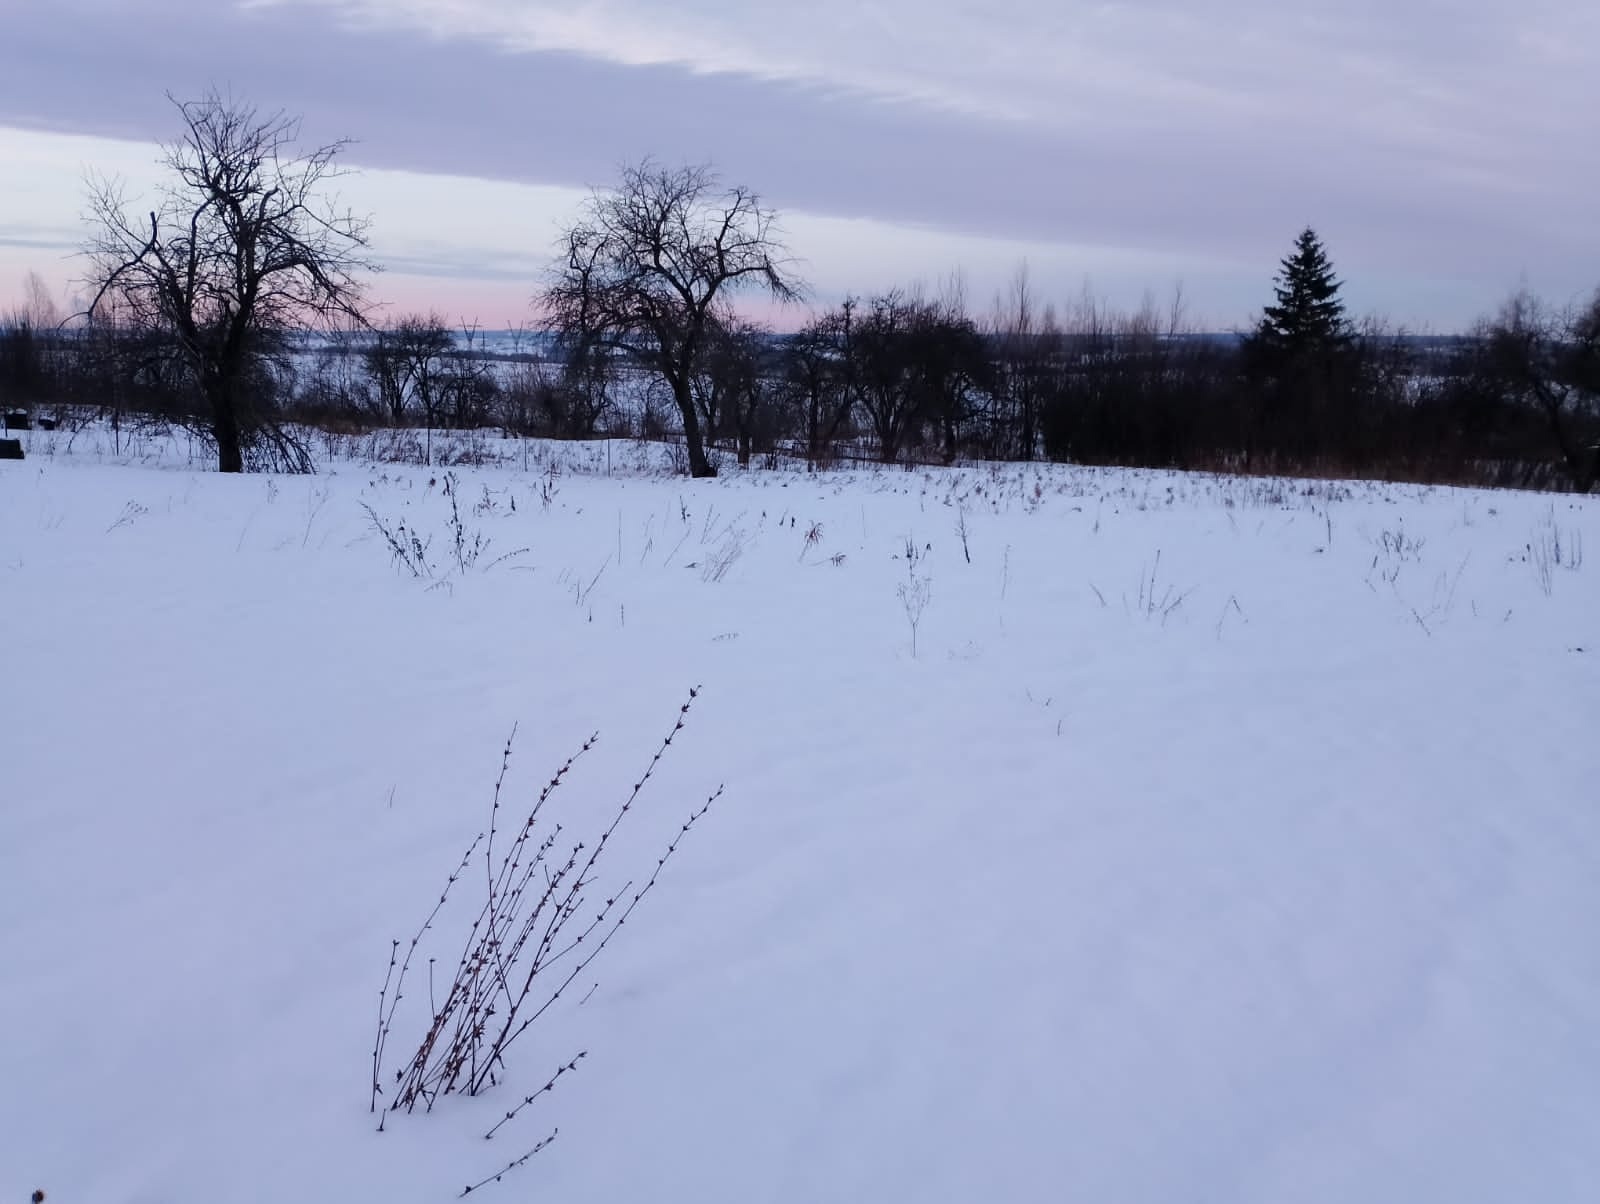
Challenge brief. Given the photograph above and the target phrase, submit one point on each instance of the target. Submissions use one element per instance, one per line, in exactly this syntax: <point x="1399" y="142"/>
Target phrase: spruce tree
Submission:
<point x="1309" y="316"/>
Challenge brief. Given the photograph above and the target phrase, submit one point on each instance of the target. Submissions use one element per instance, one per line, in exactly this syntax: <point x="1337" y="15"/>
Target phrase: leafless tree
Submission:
<point x="589" y="385"/>
<point x="650" y="267"/>
<point x="567" y="400"/>
<point x="919" y="367"/>
<point x="420" y="367"/>
<point x="242" y="249"/>
<point x="336" y="389"/>
<point x="951" y="365"/>
<point x="468" y="384"/>
<point x="819" y="372"/>
<point x="1027" y="347"/>
<point x="1551" y="357"/>
<point x="734" y="387"/>
<point x="886" y="369"/>
<point x="29" y="347"/>
<point x="38" y="309"/>
<point x="404" y="361"/>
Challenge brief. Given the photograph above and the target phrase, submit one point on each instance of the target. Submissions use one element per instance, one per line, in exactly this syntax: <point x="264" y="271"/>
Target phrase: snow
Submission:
<point x="1275" y="879"/>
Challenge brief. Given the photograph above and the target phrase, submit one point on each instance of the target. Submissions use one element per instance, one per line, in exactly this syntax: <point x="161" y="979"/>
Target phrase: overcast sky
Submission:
<point x="1446" y="151"/>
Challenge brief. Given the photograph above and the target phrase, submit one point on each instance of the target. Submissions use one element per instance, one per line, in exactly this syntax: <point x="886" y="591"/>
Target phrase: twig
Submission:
<point x="508" y="1167"/>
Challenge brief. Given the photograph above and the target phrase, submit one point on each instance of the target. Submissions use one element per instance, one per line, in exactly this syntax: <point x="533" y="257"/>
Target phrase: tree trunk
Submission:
<point x="1587" y="475"/>
<point x="699" y="465"/>
<point x="744" y="438"/>
<point x="890" y="429"/>
<point x="225" y="429"/>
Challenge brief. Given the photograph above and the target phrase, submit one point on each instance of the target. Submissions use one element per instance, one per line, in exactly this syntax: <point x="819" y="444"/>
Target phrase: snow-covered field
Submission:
<point x="1222" y="840"/>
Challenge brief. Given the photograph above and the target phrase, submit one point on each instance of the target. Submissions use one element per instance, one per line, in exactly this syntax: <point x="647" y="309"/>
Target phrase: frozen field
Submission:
<point x="1219" y="840"/>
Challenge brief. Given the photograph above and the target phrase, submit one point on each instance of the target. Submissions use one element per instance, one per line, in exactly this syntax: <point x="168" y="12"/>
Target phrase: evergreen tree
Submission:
<point x="1309" y="316"/>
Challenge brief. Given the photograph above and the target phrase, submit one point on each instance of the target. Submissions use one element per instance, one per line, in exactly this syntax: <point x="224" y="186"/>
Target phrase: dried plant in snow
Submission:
<point x="539" y="924"/>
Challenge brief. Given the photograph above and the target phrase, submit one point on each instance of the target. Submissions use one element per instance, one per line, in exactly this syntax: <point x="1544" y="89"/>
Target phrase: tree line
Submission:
<point x="201" y="309"/>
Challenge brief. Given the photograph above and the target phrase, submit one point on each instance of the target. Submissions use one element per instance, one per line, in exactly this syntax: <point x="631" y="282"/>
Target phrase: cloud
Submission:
<point x="11" y="236"/>
<point x="1438" y="146"/>
<point x="480" y="247"/>
<point x="1402" y="74"/>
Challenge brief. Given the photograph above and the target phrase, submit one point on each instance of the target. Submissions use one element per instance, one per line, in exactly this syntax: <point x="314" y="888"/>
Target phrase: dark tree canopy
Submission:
<point x="242" y="248"/>
<point x="819" y="378"/>
<point x="1309" y="315"/>
<point x="733" y="386"/>
<point x="649" y="269"/>
<point x="1550" y="358"/>
<point x="916" y="366"/>
<point x="406" y="361"/>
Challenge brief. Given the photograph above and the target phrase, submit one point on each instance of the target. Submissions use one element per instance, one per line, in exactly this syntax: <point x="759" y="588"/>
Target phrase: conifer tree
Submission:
<point x="1309" y="316"/>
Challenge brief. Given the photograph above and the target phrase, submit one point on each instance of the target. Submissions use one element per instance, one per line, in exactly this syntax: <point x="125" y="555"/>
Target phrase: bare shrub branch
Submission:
<point x="535" y="931"/>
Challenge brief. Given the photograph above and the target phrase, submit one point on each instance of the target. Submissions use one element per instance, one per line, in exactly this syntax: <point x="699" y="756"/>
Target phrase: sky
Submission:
<point x="1444" y="149"/>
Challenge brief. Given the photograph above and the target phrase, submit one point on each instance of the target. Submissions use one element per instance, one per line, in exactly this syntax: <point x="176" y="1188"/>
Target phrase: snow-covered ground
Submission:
<point x="1223" y="840"/>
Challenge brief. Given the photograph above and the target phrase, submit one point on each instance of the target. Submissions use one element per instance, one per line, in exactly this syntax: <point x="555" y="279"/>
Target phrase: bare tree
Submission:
<point x="886" y="369"/>
<point x="1023" y="357"/>
<point x="650" y="267"/>
<point x="589" y="385"/>
<point x="404" y="361"/>
<point x="38" y="309"/>
<point x="336" y="388"/>
<point x="919" y="366"/>
<point x="29" y="348"/>
<point x="419" y="366"/>
<point x="241" y="250"/>
<point x="468" y="385"/>
<point x="733" y="386"/>
<point x="819" y="366"/>
<point x="952" y="368"/>
<point x="1551" y="358"/>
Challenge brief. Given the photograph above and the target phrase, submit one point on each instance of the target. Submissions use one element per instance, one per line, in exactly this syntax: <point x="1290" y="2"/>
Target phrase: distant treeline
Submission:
<point x="901" y="378"/>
